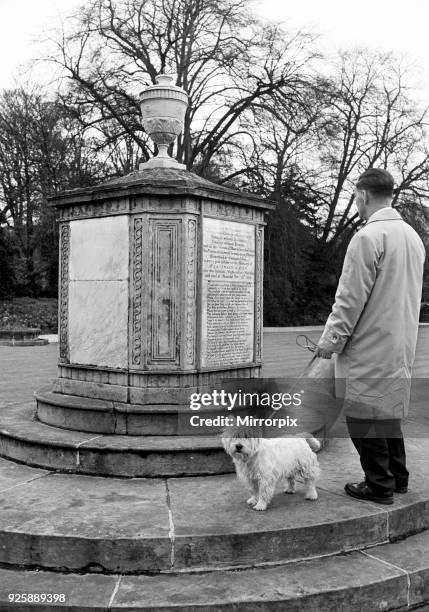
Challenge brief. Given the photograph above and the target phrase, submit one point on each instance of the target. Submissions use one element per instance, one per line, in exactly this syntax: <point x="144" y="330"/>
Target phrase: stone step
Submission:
<point x="392" y="576"/>
<point x="92" y="415"/>
<point x="24" y="439"/>
<point x="80" y="523"/>
<point x="78" y="413"/>
<point x="103" y="416"/>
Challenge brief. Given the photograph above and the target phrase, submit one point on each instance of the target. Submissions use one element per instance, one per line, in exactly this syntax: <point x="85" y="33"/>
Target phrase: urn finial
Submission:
<point x="163" y="108"/>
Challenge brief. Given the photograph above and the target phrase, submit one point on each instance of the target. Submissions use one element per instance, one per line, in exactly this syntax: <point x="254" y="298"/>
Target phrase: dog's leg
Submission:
<point x="254" y="491"/>
<point x="252" y="486"/>
<point x="290" y="485"/>
<point x="310" y="492"/>
<point x="265" y="494"/>
<point x="245" y="478"/>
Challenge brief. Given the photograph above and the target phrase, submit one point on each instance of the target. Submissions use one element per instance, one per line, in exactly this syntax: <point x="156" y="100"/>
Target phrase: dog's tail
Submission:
<point x="313" y="443"/>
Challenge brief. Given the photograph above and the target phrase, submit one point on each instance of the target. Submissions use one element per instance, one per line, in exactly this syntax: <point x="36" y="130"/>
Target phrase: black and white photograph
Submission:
<point x="214" y="306"/>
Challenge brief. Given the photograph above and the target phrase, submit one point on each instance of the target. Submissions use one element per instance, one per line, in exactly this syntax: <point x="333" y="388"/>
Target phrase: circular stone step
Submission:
<point x="24" y="439"/>
<point x="67" y="522"/>
<point x="78" y="413"/>
<point x="110" y="417"/>
<point x="387" y="578"/>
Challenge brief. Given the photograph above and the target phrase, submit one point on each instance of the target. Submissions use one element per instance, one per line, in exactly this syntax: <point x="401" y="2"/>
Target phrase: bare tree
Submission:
<point x="370" y="120"/>
<point x="225" y="59"/>
<point x="42" y="150"/>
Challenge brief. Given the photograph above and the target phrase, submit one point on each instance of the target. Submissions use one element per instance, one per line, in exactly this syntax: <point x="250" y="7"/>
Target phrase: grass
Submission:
<point x="30" y="312"/>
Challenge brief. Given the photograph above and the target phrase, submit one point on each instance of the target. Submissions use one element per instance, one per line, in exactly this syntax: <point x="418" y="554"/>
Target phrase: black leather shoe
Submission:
<point x="361" y="491"/>
<point x="401" y="490"/>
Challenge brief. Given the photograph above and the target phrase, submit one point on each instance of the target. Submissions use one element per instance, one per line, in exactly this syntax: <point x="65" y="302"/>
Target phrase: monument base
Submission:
<point x="79" y="413"/>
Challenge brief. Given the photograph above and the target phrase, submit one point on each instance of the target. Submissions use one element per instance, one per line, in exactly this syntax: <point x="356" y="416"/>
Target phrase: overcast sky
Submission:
<point x="384" y="24"/>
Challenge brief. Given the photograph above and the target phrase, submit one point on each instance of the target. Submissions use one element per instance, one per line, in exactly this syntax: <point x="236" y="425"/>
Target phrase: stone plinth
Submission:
<point x="160" y="293"/>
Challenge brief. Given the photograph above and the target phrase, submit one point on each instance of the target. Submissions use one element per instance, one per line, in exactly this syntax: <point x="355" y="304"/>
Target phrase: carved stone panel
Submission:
<point x="99" y="249"/>
<point x="191" y="290"/>
<point x="228" y="293"/>
<point x="137" y="291"/>
<point x="98" y="292"/>
<point x="227" y="209"/>
<point x="259" y="293"/>
<point x="63" y="303"/>
<point x="98" y="323"/>
<point x="106" y="208"/>
<point x="164" y="204"/>
<point x="165" y="243"/>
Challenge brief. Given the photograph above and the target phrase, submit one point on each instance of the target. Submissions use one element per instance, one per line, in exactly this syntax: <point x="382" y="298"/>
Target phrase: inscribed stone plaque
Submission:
<point x="228" y="290"/>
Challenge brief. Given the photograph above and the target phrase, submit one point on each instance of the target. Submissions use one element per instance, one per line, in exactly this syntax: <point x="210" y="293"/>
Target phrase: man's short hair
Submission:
<point x="378" y="181"/>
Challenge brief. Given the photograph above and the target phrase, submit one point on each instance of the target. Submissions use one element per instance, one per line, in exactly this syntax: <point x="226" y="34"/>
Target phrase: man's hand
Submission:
<point x="321" y="352"/>
<point x="330" y="342"/>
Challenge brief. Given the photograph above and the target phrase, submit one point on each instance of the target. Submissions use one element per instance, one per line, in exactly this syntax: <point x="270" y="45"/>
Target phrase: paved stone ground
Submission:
<point x="282" y="357"/>
<point x="146" y="510"/>
<point x="25" y="369"/>
<point x="208" y="517"/>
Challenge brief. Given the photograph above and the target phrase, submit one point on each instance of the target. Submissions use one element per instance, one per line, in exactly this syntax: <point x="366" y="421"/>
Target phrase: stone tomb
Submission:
<point x="160" y="297"/>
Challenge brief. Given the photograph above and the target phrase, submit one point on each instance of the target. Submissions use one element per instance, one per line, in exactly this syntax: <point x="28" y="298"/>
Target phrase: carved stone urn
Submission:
<point x="163" y="108"/>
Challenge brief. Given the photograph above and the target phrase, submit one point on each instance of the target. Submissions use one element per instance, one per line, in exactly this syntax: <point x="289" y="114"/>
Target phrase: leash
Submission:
<point x="309" y="344"/>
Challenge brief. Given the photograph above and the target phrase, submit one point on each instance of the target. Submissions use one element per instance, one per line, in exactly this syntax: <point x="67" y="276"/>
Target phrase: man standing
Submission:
<point x="373" y="327"/>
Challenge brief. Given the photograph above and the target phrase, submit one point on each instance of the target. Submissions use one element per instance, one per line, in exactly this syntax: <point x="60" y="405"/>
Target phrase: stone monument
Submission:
<point x="160" y="290"/>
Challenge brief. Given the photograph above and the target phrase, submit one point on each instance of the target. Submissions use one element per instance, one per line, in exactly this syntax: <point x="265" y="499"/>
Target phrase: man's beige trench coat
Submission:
<point x="374" y="321"/>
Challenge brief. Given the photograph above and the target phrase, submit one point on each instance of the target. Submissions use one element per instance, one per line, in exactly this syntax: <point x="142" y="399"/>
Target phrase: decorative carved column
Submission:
<point x="63" y="302"/>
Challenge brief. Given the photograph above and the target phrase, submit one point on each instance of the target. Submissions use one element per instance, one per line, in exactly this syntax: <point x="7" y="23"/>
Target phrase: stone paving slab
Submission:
<point x="213" y="525"/>
<point x="89" y="507"/>
<point x="25" y="369"/>
<point x="353" y="582"/>
<point x="15" y="475"/>
<point x="84" y="593"/>
<point x="60" y="520"/>
<point x="411" y="555"/>
<point x="346" y="583"/>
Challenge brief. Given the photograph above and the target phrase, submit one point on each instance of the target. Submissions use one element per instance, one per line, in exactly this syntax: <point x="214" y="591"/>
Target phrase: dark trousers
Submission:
<point x="381" y="449"/>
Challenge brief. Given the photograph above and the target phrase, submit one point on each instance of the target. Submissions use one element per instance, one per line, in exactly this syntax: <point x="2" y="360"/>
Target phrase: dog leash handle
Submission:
<point x="309" y="344"/>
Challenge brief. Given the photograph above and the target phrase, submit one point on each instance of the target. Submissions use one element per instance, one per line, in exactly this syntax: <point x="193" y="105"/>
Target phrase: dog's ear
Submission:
<point x="224" y="438"/>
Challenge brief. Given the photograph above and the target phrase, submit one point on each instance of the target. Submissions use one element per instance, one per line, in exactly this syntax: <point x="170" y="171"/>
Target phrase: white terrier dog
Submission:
<point x="262" y="462"/>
